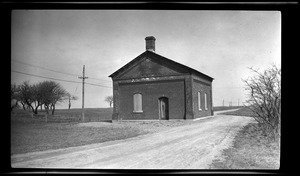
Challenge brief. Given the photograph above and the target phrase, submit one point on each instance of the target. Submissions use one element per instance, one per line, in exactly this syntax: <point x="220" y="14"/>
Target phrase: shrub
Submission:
<point x="265" y="99"/>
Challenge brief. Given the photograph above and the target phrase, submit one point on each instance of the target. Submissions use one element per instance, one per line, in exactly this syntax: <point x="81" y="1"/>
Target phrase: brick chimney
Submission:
<point x="150" y="43"/>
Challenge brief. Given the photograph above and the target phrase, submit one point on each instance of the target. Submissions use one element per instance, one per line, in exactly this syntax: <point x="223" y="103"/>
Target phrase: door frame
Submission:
<point x="166" y="100"/>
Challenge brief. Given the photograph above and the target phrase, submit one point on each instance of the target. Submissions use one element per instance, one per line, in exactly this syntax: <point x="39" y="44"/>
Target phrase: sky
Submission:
<point x="222" y="44"/>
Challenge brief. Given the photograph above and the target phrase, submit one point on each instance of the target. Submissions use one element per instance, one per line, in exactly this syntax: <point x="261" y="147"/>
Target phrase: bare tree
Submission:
<point x="27" y="96"/>
<point x="70" y="98"/>
<point x="109" y="99"/>
<point x="40" y="92"/>
<point x="14" y="96"/>
<point x="46" y="93"/>
<point x="50" y="93"/>
<point x="18" y="95"/>
<point x="265" y="99"/>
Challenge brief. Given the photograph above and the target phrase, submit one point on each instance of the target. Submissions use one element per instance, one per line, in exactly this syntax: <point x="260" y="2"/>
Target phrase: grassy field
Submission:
<point x="221" y="108"/>
<point x="250" y="150"/>
<point x="34" y="134"/>
<point x="65" y="115"/>
<point x="243" y="111"/>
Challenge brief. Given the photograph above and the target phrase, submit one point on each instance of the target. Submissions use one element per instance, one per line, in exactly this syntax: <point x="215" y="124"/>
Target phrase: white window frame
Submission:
<point x="205" y="101"/>
<point x="199" y="101"/>
<point x="137" y="102"/>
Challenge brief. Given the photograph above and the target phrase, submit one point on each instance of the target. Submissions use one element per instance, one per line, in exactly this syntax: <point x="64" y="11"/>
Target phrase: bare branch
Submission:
<point x="265" y="97"/>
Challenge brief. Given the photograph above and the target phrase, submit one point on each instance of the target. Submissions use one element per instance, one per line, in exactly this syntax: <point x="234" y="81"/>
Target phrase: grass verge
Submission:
<point x="37" y="136"/>
<point x="222" y="108"/>
<point x="250" y="150"/>
<point x="34" y="134"/>
<point x="244" y="111"/>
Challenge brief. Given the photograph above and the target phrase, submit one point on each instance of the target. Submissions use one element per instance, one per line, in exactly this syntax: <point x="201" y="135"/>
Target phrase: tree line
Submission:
<point x="43" y="94"/>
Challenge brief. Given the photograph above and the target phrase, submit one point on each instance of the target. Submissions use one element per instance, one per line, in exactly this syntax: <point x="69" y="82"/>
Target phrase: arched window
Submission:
<point x="137" y="103"/>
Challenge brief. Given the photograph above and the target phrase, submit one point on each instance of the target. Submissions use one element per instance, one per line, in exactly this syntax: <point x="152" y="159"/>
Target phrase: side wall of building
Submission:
<point x="204" y="87"/>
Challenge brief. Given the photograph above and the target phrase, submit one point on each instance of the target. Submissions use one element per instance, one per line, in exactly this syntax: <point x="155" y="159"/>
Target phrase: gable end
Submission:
<point x="157" y="66"/>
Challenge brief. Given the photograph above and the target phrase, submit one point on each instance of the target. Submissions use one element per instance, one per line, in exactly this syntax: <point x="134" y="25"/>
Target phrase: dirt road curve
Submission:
<point x="186" y="147"/>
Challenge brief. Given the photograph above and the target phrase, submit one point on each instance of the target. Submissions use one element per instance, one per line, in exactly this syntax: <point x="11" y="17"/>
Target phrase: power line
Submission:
<point x="44" y="68"/>
<point x="97" y="85"/>
<point x="71" y="74"/>
<point x="44" y="77"/>
<point x="57" y="79"/>
<point x="98" y="79"/>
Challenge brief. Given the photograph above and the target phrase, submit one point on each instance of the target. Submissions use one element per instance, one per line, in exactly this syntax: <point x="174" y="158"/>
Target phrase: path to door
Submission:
<point x="186" y="147"/>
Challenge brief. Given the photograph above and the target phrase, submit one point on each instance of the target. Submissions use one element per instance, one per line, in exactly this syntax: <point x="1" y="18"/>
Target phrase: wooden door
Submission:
<point x="163" y="108"/>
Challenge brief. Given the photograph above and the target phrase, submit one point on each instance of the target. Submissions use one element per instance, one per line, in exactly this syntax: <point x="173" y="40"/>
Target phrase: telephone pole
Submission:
<point x="83" y="78"/>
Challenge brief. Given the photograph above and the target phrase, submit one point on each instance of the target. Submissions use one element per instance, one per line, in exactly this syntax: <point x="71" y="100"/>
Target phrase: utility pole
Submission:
<point x="83" y="78"/>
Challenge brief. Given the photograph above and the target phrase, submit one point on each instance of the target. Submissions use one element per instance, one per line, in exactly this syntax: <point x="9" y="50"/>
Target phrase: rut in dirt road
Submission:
<point x="186" y="147"/>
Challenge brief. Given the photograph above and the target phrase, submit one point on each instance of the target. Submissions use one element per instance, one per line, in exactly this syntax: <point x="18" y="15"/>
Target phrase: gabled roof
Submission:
<point x="160" y="59"/>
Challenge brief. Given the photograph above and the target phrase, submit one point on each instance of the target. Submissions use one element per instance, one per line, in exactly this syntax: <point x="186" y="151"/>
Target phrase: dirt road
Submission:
<point x="229" y="110"/>
<point x="186" y="147"/>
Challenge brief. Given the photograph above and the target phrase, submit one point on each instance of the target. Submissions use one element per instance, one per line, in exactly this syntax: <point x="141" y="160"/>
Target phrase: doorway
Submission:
<point x="163" y="104"/>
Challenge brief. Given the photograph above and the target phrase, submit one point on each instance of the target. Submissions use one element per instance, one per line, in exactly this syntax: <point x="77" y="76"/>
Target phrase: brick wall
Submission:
<point x="151" y="92"/>
<point x="204" y="87"/>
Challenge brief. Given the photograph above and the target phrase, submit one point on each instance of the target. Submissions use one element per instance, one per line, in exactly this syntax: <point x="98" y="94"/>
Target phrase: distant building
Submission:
<point x="154" y="87"/>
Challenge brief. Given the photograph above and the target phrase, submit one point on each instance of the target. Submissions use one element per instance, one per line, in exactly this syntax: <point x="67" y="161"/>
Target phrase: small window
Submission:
<point x="137" y="103"/>
<point x="199" y="101"/>
<point x="205" y="101"/>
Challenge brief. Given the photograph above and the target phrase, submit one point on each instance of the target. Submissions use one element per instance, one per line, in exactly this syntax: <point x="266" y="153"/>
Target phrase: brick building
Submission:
<point x="154" y="87"/>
